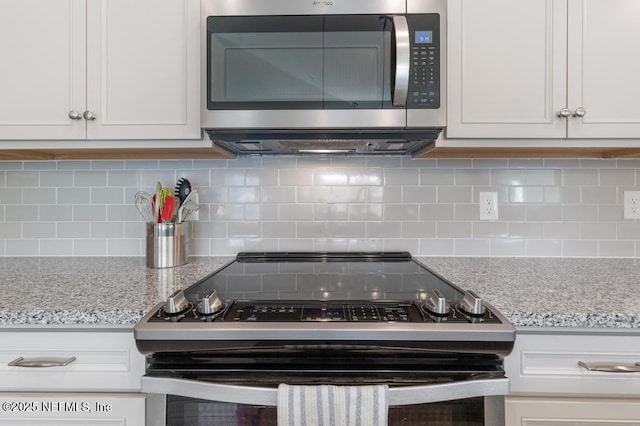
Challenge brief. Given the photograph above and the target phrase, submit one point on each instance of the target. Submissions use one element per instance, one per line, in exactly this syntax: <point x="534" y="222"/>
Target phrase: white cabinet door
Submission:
<point x="143" y="65"/>
<point x="604" y="68"/>
<point x="134" y="65"/>
<point x="507" y="68"/>
<point x="43" y="71"/>
<point x="65" y="409"/>
<point x="571" y="412"/>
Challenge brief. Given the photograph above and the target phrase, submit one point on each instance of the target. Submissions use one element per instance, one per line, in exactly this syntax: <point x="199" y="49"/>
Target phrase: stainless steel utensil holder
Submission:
<point x="167" y="244"/>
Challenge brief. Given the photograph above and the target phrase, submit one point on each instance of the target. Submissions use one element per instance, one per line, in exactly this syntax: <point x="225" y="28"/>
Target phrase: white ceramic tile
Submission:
<point x="509" y="177"/>
<point x="590" y="163"/>
<point x="17" y="213"/>
<point x="526" y="230"/>
<point x="490" y="229"/>
<point x="311" y="229"/>
<point x="580" y="177"/>
<point x="612" y="248"/>
<point x="296" y="177"/>
<point x="525" y="163"/>
<point x="124" y="247"/>
<point x="561" y="230"/>
<point x="508" y="212"/>
<point x="472" y="177"/>
<point x="302" y="194"/>
<point x="368" y="244"/>
<point x="295" y="212"/>
<point x="330" y="176"/>
<point x="53" y="179"/>
<point x="599" y="195"/>
<point x="620" y="177"/>
<point x="247" y="194"/>
<point x="436" y="247"/>
<point x="629" y="230"/>
<point x="272" y="229"/>
<point x="508" y="247"/>
<point x="579" y="212"/>
<point x="610" y="212"/>
<point x="388" y="229"/>
<point x="175" y="164"/>
<point x="22" y="247"/>
<point x="455" y="194"/>
<point x="490" y="163"/>
<point x="10" y="196"/>
<point x="101" y="230"/>
<point x="119" y="212"/>
<point x="331" y="244"/>
<point x="89" y="178"/>
<point x="326" y="211"/>
<point x="22" y="179"/>
<point x="412" y="246"/>
<point x="419" y="194"/>
<point x="401" y="211"/>
<point x="454" y="230"/>
<point x="244" y="229"/>
<point x="472" y="247"/>
<point x="108" y="196"/>
<point x="124" y="178"/>
<point x="394" y="177"/>
<point x="88" y="212"/>
<point x="380" y="194"/>
<point x="261" y="177"/>
<point x="73" y="195"/>
<point x="226" y="246"/>
<point x="141" y="164"/>
<point x="348" y="194"/>
<point x="347" y="229"/>
<point x="545" y="213"/>
<point x="261" y="244"/>
<point x="58" y="247"/>
<point x="439" y="211"/>
<point x="10" y="230"/>
<point x="543" y="177"/>
<point x="107" y="164"/>
<point x="433" y="177"/>
<point x="361" y="176"/>
<point x="523" y="194"/>
<point x="39" y="230"/>
<point x="598" y="231"/>
<point x="365" y="212"/>
<point x="228" y="177"/>
<point x="579" y="248"/>
<point x="543" y="248"/>
<point x="454" y="163"/>
<point x="418" y="229"/>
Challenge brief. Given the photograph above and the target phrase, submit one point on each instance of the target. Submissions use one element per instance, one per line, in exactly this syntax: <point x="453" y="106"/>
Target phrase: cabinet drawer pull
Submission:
<point x="610" y="367"/>
<point x="41" y="362"/>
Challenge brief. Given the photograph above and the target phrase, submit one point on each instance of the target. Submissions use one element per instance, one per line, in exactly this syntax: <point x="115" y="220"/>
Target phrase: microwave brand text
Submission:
<point x="322" y="3"/>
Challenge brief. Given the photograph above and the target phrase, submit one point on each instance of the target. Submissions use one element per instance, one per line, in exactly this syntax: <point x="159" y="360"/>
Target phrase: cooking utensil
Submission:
<point x="168" y="206"/>
<point x="186" y="209"/>
<point x="156" y="203"/>
<point x="183" y="189"/>
<point x="144" y="204"/>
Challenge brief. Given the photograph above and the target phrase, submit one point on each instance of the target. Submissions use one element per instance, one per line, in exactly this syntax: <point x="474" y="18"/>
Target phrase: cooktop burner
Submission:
<point x="324" y="296"/>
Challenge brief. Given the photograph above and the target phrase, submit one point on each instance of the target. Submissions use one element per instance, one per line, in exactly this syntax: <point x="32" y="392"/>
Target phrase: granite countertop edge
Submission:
<point x="517" y="287"/>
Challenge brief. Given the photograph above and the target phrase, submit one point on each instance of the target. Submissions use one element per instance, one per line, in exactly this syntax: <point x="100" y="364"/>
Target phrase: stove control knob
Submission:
<point x="472" y="304"/>
<point x="437" y="304"/>
<point x="210" y="304"/>
<point x="176" y="303"/>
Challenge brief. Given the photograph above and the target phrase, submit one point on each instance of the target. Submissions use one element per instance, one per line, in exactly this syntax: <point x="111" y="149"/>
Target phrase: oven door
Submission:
<point x="180" y="402"/>
<point x="239" y="386"/>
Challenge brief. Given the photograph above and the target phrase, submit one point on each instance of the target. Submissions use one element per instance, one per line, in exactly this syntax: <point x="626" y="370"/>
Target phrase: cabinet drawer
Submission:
<point x="548" y="363"/>
<point x="104" y="361"/>
<point x="77" y="409"/>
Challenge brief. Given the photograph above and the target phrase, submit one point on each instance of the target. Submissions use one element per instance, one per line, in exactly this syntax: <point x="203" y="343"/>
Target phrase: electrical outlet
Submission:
<point x="488" y="205"/>
<point x="632" y="204"/>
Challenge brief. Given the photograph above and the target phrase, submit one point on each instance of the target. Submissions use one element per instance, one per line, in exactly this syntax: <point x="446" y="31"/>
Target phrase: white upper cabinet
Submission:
<point x="100" y="69"/>
<point x="543" y="69"/>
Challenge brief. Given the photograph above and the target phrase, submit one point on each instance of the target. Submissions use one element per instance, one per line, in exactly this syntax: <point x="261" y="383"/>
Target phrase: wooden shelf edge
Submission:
<point x="492" y="152"/>
<point x="116" y="154"/>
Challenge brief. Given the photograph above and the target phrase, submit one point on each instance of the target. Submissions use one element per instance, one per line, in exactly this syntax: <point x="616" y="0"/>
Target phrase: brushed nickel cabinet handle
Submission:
<point x="41" y="362"/>
<point x="564" y="113"/>
<point x="75" y="115"/>
<point x="88" y="115"/>
<point x="611" y="367"/>
<point x="580" y="112"/>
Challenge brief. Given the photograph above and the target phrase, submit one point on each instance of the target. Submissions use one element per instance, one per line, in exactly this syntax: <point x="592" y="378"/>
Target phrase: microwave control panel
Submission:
<point x="424" y="67"/>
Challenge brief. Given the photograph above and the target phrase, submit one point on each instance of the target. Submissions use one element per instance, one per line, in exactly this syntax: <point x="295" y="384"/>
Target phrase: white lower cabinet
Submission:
<point x="549" y="385"/>
<point x="72" y="377"/>
<point x="72" y="409"/>
<point x="553" y="411"/>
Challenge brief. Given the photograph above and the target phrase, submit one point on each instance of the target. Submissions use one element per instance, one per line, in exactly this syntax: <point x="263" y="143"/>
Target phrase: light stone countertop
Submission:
<point x="117" y="291"/>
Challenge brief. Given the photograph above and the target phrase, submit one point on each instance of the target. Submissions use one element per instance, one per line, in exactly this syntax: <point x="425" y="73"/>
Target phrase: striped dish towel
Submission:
<point x="329" y="405"/>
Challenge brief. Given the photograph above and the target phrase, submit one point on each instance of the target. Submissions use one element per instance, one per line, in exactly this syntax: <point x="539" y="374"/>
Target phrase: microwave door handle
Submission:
<point x="403" y="56"/>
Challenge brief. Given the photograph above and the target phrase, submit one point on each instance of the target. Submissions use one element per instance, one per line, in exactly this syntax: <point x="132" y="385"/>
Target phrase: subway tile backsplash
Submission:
<point x="547" y="207"/>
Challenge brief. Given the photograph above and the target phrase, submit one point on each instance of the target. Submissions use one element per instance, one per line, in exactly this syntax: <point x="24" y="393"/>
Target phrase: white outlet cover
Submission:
<point x="488" y="202"/>
<point x="632" y="204"/>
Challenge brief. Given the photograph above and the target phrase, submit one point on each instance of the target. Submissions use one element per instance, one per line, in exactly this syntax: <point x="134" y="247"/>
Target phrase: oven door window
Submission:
<point x="299" y="62"/>
<point x="183" y="411"/>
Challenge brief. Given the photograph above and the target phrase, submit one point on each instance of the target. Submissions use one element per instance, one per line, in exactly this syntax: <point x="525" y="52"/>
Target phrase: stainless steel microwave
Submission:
<point x="297" y="76"/>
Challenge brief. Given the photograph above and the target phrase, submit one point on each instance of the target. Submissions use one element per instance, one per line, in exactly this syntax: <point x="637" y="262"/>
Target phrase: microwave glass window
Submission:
<point x="314" y="62"/>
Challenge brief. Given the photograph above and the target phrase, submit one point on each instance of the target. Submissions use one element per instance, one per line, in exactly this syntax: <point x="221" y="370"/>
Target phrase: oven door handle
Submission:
<point x="403" y="58"/>
<point x="254" y="395"/>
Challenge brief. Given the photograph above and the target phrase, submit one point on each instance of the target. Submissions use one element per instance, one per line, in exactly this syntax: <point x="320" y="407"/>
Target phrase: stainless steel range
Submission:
<point x="326" y="318"/>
